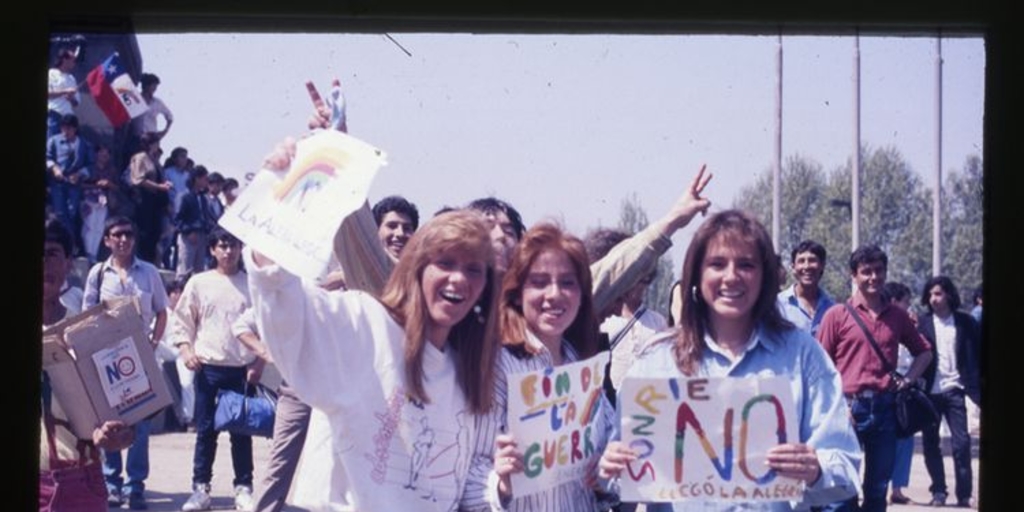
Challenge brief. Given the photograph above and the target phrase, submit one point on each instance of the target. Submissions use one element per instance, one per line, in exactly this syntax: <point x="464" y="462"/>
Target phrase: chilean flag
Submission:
<point x="115" y="92"/>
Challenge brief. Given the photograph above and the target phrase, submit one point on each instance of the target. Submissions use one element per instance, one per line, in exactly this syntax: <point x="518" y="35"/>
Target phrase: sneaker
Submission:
<point x="243" y="498"/>
<point x="938" y="500"/>
<point x="115" y="498"/>
<point x="137" y="501"/>
<point x="200" y="499"/>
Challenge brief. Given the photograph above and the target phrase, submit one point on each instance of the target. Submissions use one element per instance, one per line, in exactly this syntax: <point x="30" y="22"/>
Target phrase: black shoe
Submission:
<point x="963" y="503"/>
<point x="938" y="500"/>
<point x="899" y="499"/>
<point x="137" y="501"/>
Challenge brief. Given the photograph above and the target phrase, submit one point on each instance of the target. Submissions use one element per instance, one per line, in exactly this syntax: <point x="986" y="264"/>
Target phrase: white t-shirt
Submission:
<point x="633" y="342"/>
<point x="59" y="80"/>
<point x="947" y="376"/>
<point x="370" y="446"/>
<point x="209" y="305"/>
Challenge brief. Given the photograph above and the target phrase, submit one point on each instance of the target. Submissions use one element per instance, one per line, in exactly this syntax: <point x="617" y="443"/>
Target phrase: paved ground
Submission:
<point x="171" y="463"/>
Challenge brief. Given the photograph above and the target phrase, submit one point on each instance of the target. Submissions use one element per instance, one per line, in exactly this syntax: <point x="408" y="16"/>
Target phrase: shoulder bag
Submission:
<point x="914" y="410"/>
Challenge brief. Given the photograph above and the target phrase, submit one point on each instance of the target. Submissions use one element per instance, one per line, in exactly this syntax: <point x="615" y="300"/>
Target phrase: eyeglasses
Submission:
<point x="129" y="234"/>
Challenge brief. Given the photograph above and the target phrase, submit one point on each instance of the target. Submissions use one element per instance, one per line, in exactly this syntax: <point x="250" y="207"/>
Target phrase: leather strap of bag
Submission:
<point x="889" y="367"/>
<point x="622" y="332"/>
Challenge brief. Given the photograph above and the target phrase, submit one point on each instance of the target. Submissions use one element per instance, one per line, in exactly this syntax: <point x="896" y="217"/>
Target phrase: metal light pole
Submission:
<point x="777" y="170"/>
<point x="937" y="193"/>
<point x="855" y="171"/>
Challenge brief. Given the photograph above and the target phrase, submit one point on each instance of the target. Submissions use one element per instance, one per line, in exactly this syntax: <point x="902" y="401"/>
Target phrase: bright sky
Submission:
<point x="567" y="126"/>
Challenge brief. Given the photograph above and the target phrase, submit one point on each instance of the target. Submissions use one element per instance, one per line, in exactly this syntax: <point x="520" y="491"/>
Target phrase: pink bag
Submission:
<point x="74" y="489"/>
<point x="71" y="486"/>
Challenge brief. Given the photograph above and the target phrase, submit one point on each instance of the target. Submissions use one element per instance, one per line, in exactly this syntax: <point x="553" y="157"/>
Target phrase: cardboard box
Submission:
<point x="102" y="367"/>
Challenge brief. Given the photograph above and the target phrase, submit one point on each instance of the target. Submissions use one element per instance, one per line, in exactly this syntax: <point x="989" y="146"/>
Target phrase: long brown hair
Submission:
<point x="474" y="341"/>
<point x="582" y="333"/>
<point x="730" y="226"/>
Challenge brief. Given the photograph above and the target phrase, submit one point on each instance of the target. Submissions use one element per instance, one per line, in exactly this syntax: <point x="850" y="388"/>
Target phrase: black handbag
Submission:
<point x="914" y="410"/>
<point x="250" y="415"/>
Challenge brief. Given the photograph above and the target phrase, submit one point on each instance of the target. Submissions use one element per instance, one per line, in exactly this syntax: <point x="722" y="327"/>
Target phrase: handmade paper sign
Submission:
<point x="291" y="216"/>
<point x="706" y="439"/>
<point x="122" y="376"/>
<point x="551" y="414"/>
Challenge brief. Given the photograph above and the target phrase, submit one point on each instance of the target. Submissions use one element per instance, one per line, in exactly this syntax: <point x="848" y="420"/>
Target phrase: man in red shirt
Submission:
<point x="867" y="383"/>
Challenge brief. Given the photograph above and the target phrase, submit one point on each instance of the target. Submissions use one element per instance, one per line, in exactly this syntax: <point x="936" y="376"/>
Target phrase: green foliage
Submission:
<point x="895" y="214"/>
<point x="962" y="223"/>
<point x="633" y="219"/>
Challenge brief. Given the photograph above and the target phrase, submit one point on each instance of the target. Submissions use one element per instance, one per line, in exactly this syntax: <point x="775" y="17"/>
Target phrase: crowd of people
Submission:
<point x="397" y="364"/>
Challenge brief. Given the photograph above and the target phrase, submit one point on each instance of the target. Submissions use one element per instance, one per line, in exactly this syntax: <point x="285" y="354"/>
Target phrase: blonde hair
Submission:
<point x="474" y="338"/>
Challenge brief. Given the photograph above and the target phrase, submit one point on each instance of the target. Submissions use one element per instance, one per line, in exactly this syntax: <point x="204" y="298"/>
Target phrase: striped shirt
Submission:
<point x="481" y="490"/>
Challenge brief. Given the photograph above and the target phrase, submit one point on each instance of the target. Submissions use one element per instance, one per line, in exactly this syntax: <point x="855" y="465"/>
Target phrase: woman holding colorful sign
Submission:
<point x="551" y="419"/>
<point x="400" y="378"/>
<point x="731" y="336"/>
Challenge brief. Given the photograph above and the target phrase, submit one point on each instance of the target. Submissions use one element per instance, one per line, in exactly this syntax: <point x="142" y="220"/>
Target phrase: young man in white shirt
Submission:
<point x="953" y="373"/>
<point x="201" y="329"/>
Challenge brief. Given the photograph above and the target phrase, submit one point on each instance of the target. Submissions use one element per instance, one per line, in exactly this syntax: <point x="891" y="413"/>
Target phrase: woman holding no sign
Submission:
<point x="730" y="327"/>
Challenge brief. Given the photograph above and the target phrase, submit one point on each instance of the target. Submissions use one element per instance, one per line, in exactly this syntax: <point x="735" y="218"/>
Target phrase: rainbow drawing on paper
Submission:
<point x="307" y="176"/>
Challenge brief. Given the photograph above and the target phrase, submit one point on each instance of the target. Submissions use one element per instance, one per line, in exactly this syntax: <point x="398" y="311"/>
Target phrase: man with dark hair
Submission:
<point x="214" y="184"/>
<point x="953" y="373"/>
<point x="68" y="159"/>
<point x="125" y="275"/>
<point x="506" y="227"/>
<point x="201" y="330"/>
<point x="147" y="122"/>
<point x="805" y="302"/>
<point x="627" y="322"/>
<point x="397" y="219"/>
<point x="64" y="459"/>
<point x="62" y="95"/>
<point x="867" y="382"/>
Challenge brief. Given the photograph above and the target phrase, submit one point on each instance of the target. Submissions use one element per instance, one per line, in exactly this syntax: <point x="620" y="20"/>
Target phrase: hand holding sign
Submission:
<point x="291" y="217"/>
<point x="507" y="460"/>
<point x="710" y="439"/>
<point x="798" y="461"/>
<point x="615" y="459"/>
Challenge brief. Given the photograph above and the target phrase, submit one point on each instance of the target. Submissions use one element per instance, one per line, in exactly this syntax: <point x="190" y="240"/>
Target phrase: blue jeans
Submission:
<point x="66" y="203"/>
<point x="208" y="380"/>
<point x="901" y="467"/>
<point x="137" y="466"/>
<point x="874" y="420"/>
<point x="950" y="405"/>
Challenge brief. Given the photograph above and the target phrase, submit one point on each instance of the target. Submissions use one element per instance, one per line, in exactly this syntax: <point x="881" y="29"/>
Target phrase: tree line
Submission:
<point x="895" y="214"/>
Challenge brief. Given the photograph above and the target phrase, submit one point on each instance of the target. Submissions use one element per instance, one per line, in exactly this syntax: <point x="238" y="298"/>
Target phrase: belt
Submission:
<point x="864" y="393"/>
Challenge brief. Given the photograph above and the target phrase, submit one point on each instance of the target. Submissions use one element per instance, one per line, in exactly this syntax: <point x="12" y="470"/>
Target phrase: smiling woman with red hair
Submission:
<point x="547" y="320"/>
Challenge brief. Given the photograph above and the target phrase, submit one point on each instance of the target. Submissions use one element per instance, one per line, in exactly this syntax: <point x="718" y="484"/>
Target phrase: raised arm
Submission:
<point x="623" y="266"/>
<point x="316" y="338"/>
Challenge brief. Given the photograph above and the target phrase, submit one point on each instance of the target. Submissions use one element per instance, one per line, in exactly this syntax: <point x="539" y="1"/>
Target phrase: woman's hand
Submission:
<point x="795" y="460"/>
<point x="614" y="459"/>
<point x="507" y="460"/>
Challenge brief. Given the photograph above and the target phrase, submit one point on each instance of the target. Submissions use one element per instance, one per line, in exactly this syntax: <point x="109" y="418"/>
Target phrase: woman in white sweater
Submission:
<point x="399" y="379"/>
